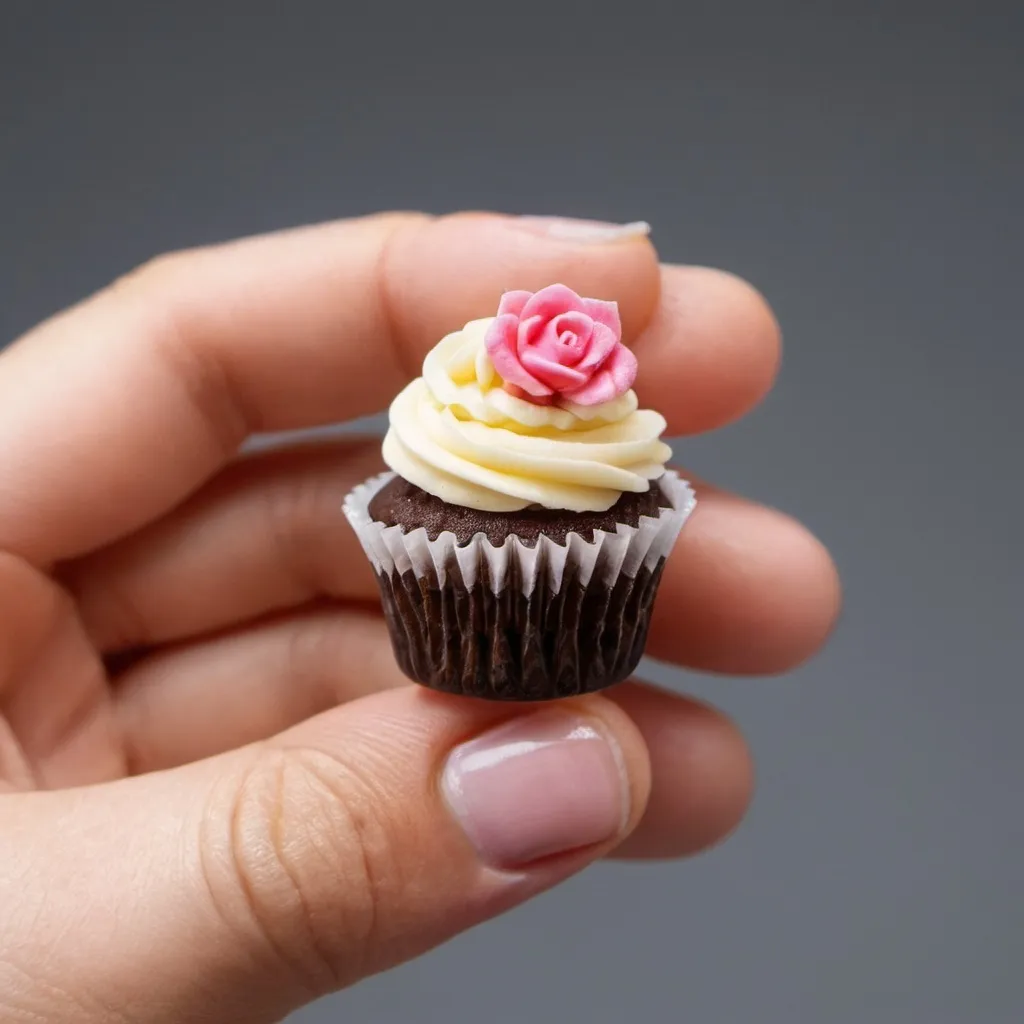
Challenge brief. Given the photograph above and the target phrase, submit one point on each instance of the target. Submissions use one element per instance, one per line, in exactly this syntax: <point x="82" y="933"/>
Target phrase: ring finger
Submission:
<point x="747" y="590"/>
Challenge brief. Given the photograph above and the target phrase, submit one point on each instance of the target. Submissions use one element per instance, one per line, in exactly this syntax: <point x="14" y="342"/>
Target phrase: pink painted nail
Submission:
<point x="537" y="786"/>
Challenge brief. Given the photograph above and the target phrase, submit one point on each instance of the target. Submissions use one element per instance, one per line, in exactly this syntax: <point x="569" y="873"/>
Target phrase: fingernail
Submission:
<point x="537" y="786"/>
<point x="588" y="232"/>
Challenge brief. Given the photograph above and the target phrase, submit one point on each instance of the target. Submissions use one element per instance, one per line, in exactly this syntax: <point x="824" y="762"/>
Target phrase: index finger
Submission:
<point x="115" y="410"/>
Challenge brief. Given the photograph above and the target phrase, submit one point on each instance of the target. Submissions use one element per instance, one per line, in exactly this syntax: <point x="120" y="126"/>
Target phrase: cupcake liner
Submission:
<point x="513" y="621"/>
<point x="605" y="557"/>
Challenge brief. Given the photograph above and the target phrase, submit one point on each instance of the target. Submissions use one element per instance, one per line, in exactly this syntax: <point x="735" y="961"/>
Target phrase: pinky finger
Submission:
<point x="702" y="776"/>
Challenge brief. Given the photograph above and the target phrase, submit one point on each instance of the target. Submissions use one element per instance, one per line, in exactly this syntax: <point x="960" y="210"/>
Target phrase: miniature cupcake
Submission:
<point x="520" y="538"/>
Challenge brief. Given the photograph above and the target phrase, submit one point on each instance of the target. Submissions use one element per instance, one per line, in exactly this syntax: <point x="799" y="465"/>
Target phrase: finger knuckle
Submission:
<point x="166" y="290"/>
<point x="303" y="864"/>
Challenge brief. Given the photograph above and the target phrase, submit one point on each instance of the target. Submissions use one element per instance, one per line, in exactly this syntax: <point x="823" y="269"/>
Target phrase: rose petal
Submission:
<point x="500" y="337"/>
<point x="546" y="344"/>
<point x="613" y="379"/>
<point x="552" y="373"/>
<point x="551" y="301"/>
<point x="599" y="389"/>
<point x="606" y="313"/>
<point x="500" y="342"/>
<point x="513" y="302"/>
<point x="582" y="327"/>
<point x="602" y="344"/>
<point x="530" y="332"/>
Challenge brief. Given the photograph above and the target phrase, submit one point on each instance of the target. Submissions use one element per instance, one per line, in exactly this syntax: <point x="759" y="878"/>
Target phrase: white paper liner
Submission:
<point x="605" y="557"/>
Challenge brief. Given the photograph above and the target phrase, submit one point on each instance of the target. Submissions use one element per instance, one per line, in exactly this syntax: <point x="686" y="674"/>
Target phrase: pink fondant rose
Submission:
<point x="552" y="343"/>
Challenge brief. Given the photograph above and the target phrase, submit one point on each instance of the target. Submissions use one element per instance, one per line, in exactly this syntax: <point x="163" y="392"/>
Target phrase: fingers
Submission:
<point x="56" y="721"/>
<point x="710" y="352"/>
<point x="274" y="875"/>
<point x="113" y="411"/>
<point x="267" y="534"/>
<point x="701" y="773"/>
<point x="184" y="705"/>
<point x="746" y="590"/>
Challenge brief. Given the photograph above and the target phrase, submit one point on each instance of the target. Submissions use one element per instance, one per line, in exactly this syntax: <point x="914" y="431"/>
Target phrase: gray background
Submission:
<point x="863" y="166"/>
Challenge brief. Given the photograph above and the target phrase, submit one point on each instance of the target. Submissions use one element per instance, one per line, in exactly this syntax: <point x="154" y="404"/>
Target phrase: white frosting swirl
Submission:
<point x="456" y="433"/>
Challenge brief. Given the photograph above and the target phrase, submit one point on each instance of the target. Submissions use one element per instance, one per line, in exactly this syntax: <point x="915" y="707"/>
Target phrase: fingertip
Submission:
<point x="754" y="324"/>
<point x="748" y="590"/>
<point x="712" y="348"/>
<point x="829" y="606"/>
<point x="701" y="769"/>
<point x="809" y="593"/>
<point x="474" y="257"/>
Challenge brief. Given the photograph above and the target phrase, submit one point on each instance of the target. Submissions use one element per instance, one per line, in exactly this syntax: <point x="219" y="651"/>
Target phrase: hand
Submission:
<point x="220" y="799"/>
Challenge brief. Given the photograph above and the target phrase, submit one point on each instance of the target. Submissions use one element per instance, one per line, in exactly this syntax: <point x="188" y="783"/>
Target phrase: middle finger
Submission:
<point x="746" y="590"/>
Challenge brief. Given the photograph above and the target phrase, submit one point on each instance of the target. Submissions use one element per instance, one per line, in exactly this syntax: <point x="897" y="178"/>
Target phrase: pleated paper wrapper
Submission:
<point x="514" y="621"/>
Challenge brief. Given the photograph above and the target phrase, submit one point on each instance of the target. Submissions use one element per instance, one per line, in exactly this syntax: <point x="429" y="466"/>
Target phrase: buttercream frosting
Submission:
<point x="460" y="433"/>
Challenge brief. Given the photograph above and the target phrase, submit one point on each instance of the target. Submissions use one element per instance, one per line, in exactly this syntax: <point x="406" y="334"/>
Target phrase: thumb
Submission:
<point x="242" y="887"/>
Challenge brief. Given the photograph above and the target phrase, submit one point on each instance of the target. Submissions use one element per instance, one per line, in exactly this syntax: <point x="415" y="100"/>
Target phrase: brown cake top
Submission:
<point x="400" y="503"/>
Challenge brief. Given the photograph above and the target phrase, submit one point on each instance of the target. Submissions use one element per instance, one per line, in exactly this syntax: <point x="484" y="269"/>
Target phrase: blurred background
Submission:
<point x="861" y="163"/>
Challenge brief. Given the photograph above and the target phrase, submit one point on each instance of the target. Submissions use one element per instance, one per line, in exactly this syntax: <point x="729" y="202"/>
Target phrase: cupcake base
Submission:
<point x="507" y="646"/>
<point x="525" y="606"/>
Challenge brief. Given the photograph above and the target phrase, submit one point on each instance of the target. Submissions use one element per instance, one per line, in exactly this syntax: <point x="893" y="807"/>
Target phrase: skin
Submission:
<point x="241" y="813"/>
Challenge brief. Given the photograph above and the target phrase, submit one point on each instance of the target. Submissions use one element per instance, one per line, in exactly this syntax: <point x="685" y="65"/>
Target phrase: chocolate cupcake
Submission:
<point x="519" y="540"/>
